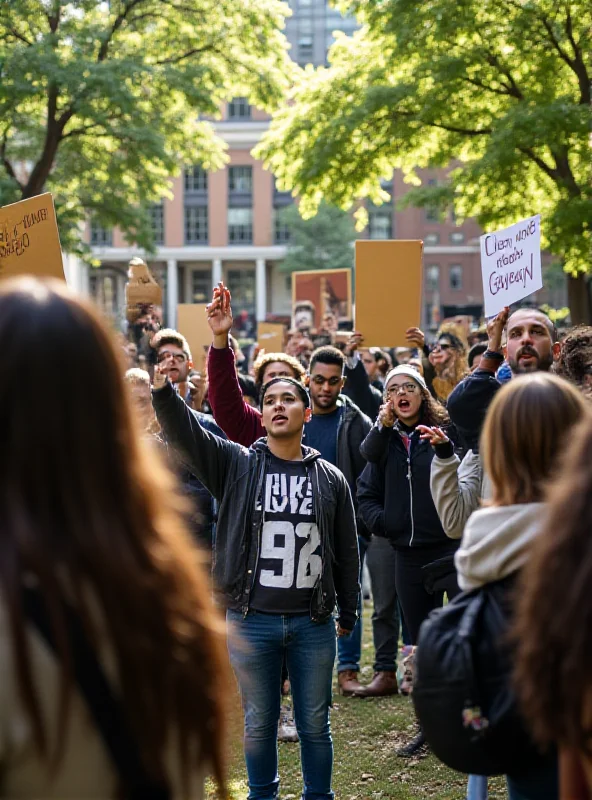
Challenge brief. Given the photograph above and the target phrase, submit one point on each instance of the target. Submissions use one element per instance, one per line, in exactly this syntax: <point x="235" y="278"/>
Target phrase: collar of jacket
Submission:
<point x="309" y="454"/>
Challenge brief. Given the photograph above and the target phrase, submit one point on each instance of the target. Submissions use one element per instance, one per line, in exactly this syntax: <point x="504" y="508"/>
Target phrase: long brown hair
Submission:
<point x="524" y="432"/>
<point x="87" y="509"/>
<point x="553" y="625"/>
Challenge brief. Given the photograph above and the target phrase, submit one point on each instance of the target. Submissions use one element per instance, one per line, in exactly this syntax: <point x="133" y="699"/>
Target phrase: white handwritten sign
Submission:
<point x="511" y="264"/>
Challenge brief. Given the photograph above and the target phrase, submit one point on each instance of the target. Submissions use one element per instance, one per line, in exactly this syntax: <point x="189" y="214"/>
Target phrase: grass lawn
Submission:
<point x="366" y="734"/>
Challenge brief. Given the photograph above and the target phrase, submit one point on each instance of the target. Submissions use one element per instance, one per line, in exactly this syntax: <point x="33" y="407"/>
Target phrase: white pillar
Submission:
<point x="216" y="272"/>
<point x="261" y="289"/>
<point x="172" y="292"/>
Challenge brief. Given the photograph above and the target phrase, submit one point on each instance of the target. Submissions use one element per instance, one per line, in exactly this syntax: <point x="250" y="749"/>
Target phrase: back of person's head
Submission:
<point x="170" y="336"/>
<point x="528" y="424"/>
<point x="264" y="360"/>
<point x="553" y="627"/>
<point x="327" y="355"/>
<point x="576" y="356"/>
<point x="87" y="510"/>
<point x="475" y="351"/>
<point x="137" y="377"/>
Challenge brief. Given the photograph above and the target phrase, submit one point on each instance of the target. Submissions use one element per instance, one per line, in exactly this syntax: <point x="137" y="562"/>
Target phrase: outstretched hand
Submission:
<point x="354" y="341"/>
<point x="219" y="311"/>
<point x="434" y="435"/>
<point x="415" y="338"/>
<point x="159" y="379"/>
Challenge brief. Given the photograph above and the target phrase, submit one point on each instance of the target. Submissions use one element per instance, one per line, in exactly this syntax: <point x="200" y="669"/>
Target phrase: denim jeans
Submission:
<point x="349" y="648"/>
<point x="477" y="787"/>
<point x="257" y="655"/>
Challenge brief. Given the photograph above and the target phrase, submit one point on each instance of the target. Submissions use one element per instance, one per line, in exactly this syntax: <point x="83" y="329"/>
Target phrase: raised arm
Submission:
<point x="239" y="421"/>
<point x="357" y="386"/>
<point x="208" y="457"/>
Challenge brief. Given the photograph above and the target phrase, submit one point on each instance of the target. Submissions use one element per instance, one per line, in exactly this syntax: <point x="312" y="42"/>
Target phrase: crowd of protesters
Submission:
<point x="455" y="474"/>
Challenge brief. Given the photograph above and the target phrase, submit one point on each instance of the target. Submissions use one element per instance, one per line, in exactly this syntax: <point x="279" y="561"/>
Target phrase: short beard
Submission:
<point x="542" y="364"/>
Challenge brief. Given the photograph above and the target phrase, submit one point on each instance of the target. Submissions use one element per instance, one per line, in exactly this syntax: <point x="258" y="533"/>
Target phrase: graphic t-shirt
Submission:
<point x="289" y="562"/>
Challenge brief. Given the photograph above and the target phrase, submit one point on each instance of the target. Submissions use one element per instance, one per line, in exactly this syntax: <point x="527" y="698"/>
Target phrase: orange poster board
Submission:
<point x="388" y="290"/>
<point x="327" y="290"/>
<point x="29" y="239"/>
<point x="270" y="337"/>
<point x="193" y="324"/>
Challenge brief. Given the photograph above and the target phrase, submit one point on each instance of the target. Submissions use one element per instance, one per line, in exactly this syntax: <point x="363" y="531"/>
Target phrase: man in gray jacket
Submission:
<point x="285" y="554"/>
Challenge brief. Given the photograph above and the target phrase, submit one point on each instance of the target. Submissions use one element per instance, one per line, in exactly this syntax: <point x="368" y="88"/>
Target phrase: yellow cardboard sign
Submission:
<point x="29" y="239"/>
<point x="192" y="322"/>
<point x="270" y="337"/>
<point x="388" y="290"/>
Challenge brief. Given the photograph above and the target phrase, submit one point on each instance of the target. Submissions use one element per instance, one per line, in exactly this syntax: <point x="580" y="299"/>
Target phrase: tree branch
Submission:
<point x="549" y="171"/>
<point x="117" y="23"/>
<point x="7" y="164"/>
<point x="188" y="54"/>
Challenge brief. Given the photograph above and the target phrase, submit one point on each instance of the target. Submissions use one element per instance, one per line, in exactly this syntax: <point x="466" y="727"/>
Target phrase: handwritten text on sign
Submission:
<point x="511" y="264"/>
<point x="29" y="239"/>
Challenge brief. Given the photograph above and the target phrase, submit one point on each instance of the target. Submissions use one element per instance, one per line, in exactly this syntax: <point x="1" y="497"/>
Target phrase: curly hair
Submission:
<point x="576" y="355"/>
<point x="553" y="622"/>
<point x="432" y="411"/>
<point x="270" y="358"/>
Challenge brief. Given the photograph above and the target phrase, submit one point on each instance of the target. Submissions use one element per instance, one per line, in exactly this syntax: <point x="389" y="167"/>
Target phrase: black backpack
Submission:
<point x="462" y="689"/>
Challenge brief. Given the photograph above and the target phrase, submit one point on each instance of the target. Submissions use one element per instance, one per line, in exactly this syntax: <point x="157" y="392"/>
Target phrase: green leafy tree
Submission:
<point x="324" y="241"/>
<point x="101" y="102"/>
<point x="497" y="90"/>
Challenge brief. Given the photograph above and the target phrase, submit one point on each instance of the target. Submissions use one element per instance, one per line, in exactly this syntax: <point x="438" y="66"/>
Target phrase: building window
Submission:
<point x="433" y="278"/>
<point x="431" y="239"/>
<point x="457" y="237"/>
<point x="380" y="223"/>
<point x="305" y="50"/>
<point x="240" y="225"/>
<point x="240" y="179"/>
<point x="99" y="236"/>
<point x="156" y="215"/>
<point x="431" y="214"/>
<point x="196" y="224"/>
<point x="455" y="277"/>
<point x="239" y="108"/>
<point x="241" y="283"/>
<point x="196" y="180"/>
<point x="201" y="286"/>
<point x="281" y="231"/>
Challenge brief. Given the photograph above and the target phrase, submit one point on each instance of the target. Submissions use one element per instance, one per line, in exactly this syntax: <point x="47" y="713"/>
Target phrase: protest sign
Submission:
<point x="29" y="239"/>
<point x="388" y="290"/>
<point x="321" y="291"/>
<point x="270" y="337"/>
<point x="511" y="264"/>
<point x="192" y="322"/>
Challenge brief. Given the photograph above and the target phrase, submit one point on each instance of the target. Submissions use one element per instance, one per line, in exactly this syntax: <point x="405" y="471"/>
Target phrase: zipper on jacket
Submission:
<point x="410" y="479"/>
<point x="259" y="493"/>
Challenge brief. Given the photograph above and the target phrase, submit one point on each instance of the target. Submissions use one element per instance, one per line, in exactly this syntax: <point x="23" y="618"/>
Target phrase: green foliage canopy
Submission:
<point x="498" y="90"/>
<point x="323" y="242"/>
<point x="100" y="101"/>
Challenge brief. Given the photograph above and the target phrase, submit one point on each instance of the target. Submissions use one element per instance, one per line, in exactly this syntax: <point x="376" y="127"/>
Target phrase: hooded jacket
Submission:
<point x="496" y="543"/>
<point x="234" y="476"/>
<point x="394" y="497"/>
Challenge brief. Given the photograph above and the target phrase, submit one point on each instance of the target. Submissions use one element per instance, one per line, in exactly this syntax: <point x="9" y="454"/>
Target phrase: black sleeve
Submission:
<point x="375" y="445"/>
<point x="208" y="456"/>
<point x="346" y="572"/>
<point x="371" y="499"/>
<point x="359" y="390"/>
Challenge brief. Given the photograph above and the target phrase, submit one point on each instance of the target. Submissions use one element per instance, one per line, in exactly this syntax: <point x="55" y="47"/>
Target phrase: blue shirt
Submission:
<point x="321" y="433"/>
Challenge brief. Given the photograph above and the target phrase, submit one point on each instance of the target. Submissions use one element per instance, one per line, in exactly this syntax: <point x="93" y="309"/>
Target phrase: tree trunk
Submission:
<point x="579" y="299"/>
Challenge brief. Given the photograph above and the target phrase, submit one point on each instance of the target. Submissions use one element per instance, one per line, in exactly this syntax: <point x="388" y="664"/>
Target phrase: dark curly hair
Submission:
<point x="553" y="623"/>
<point x="576" y="355"/>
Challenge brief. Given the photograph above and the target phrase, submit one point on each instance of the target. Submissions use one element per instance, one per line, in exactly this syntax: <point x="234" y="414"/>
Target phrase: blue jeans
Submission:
<point x="477" y="787"/>
<point x="257" y="658"/>
<point x="541" y="783"/>
<point x="349" y="648"/>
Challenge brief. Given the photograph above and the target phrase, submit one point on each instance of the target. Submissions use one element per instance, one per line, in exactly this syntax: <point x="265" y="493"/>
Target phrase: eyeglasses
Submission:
<point x="441" y="347"/>
<point x="320" y="381"/>
<point x="178" y="358"/>
<point x="410" y="388"/>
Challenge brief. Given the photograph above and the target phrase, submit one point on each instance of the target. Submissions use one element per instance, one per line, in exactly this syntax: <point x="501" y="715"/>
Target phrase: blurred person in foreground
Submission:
<point x="112" y="664"/>
<point x="553" y="628"/>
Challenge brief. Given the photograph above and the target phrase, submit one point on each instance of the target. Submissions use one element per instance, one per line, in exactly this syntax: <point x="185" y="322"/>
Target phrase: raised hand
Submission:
<point x="495" y="329"/>
<point x="415" y="338"/>
<point x="354" y="341"/>
<point x="386" y="415"/>
<point x="219" y="313"/>
<point x="159" y="379"/>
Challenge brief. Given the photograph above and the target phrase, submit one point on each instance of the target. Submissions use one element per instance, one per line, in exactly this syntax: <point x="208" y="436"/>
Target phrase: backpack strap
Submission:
<point x="105" y="709"/>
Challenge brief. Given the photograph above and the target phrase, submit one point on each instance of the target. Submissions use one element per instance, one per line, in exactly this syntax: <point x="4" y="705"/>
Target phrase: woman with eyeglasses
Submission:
<point x="395" y="500"/>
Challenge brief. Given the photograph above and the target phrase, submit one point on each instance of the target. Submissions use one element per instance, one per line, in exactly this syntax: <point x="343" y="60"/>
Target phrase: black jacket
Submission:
<point x="353" y="429"/>
<point x="360" y="391"/>
<point x="234" y="476"/>
<point x="394" y="498"/>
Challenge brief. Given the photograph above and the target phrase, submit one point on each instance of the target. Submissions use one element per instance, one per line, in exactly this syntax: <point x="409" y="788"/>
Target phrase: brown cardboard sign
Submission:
<point x="192" y="322"/>
<point x="29" y="239"/>
<point x="321" y="291"/>
<point x="270" y="337"/>
<point x="388" y="290"/>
